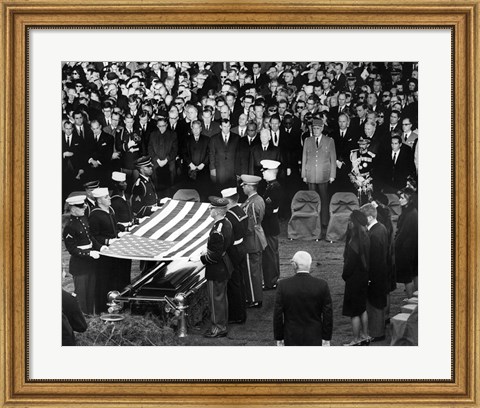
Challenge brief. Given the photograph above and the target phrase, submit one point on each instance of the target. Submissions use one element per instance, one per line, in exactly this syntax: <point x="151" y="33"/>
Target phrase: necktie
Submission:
<point x="226" y="140"/>
<point x="241" y="132"/>
<point x="207" y="127"/>
<point x="68" y="140"/>
<point x="275" y="138"/>
<point x="395" y="157"/>
<point x="342" y="134"/>
<point x="108" y="122"/>
<point x="81" y="131"/>
<point x="265" y="148"/>
<point x="317" y="140"/>
<point x="405" y="136"/>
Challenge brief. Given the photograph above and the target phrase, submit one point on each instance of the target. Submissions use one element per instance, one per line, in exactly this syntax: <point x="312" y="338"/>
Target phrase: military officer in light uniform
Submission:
<point x="271" y="226"/>
<point x="319" y="167"/>
<point x="237" y="312"/>
<point x="144" y="197"/>
<point x="83" y="251"/>
<point x="219" y="267"/>
<point x="255" y="241"/>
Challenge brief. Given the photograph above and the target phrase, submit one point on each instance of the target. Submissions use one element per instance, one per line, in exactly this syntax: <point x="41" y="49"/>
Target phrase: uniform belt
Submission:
<point x="275" y="210"/>
<point x="89" y="246"/>
<point x="238" y="241"/>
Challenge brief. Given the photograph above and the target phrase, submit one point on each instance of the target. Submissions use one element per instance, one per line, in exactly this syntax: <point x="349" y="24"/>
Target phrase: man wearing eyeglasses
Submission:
<point x="409" y="136"/>
<point x="83" y="251"/>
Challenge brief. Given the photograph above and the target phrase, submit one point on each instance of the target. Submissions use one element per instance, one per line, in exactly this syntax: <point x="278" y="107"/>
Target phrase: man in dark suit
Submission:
<point x="72" y="160"/>
<point x="209" y="126"/>
<point x="303" y="307"/>
<point x="244" y="149"/>
<point x="99" y="149"/>
<point x="378" y="274"/>
<point x="263" y="151"/>
<point x="222" y="150"/>
<point x="345" y="142"/>
<point x="395" y="166"/>
<point x="162" y="149"/>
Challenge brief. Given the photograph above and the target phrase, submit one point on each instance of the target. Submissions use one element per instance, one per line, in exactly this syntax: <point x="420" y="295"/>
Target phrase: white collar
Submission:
<point x="369" y="227"/>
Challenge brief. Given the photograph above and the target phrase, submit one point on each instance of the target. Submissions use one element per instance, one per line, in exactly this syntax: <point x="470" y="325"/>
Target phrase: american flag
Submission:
<point x="178" y="230"/>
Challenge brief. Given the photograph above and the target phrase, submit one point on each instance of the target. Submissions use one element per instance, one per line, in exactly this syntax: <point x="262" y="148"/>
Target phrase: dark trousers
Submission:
<point x="322" y="190"/>
<point x="253" y="278"/>
<point x="121" y="274"/>
<point x="104" y="284"/>
<point x="217" y="296"/>
<point x="236" y="284"/>
<point x="271" y="262"/>
<point x="85" y="290"/>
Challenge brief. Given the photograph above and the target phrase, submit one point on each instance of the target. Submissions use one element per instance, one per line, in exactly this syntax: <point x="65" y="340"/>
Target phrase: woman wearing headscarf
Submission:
<point x="355" y="274"/>
<point x="406" y="242"/>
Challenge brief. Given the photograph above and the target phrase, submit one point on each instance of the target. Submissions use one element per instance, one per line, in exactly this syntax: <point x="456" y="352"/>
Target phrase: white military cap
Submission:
<point x="100" y="192"/>
<point x="229" y="192"/>
<point x="269" y="164"/>
<point x="119" y="176"/>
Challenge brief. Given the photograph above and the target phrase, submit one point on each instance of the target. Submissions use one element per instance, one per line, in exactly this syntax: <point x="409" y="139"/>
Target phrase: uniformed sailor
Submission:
<point x="237" y="313"/>
<point x="255" y="241"/>
<point x="125" y="221"/>
<point x="83" y="251"/>
<point x="218" y="267"/>
<point x="271" y="226"/>
<point x="144" y="197"/>
<point x="104" y="230"/>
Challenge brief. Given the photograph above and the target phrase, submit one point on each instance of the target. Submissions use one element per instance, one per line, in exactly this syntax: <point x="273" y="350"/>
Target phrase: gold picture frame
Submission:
<point x="17" y="16"/>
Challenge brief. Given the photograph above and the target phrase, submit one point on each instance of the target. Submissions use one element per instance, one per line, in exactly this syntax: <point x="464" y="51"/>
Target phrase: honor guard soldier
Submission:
<point x="83" y="251"/>
<point x="218" y="266"/>
<point x="125" y="221"/>
<point x="104" y="230"/>
<point x="237" y="312"/>
<point x="255" y="241"/>
<point x="363" y="163"/>
<point x="271" y="226"/>
<point x="144" y="197"/>
<point x="90" y="201"/>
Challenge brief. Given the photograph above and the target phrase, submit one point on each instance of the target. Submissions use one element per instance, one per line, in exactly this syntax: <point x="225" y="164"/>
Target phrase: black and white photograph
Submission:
<point x="256" y="203"/>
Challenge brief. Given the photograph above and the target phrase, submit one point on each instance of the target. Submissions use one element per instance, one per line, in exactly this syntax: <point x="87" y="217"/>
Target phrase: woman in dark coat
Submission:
<point x="355" y="274"/>
<point x="406" y="242"/>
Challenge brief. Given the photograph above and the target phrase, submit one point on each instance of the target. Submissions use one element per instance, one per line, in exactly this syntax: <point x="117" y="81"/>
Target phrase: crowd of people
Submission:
<point x="251" y="133"/>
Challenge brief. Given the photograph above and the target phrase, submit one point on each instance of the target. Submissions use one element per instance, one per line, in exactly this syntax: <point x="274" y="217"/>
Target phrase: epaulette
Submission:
<point x="137" y="183"/>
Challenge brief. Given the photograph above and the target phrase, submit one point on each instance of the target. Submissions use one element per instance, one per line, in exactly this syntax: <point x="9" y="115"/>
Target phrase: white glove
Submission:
<point x="95" y="254"/>
<point x="122" y="233"/>
<point x="155" y="207"/>
<point x="111" y="241"/>
<point x="280" y="343"/>
<point x="326" y="343"/>
<point x="131" y="143"/>
<point x="339" y="164"/>
<point x="103" y="248"/>
<point x="289" y="171"/>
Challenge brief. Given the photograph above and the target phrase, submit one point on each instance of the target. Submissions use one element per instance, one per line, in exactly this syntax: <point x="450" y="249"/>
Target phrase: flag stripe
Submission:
<point x="193" y="235"/>
<point x="198" y="216"/>
<point x="174" y="221"/>
<point x="154" y="219"/>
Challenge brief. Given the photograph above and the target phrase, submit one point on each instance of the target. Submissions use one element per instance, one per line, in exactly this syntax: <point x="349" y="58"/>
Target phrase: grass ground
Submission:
<point x="258" y="330"/>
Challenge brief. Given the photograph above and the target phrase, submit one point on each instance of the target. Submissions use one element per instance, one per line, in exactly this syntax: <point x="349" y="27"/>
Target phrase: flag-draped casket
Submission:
<point x="171" y="235"/>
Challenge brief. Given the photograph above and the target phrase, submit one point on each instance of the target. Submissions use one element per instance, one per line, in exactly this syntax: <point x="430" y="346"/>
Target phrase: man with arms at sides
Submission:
<point x="241" y="129"/>
<point x="162" y="149"/>
<point x="263" y="151"/>
<point x="237" y="313"/>
<point x="271" y="226"/>
<point x="409" y="136"/>
<point x="144" y="198"/>
<point x="378" y="275"/>
<point x="209" y="126"/>
<point x="222" y="150"/>
<point x="218" y="267"/>
<point x="195" y="158"/>
<point x="303" y="313"/>
<point x="99" y="149"/>
<point x="319" y="167"/>
<point x="395" y="166"/>
<point x="255" y="241"/>
<point x="72" y="156"/>
<point x="244" y="149"/>
<point x="345" y="142"/>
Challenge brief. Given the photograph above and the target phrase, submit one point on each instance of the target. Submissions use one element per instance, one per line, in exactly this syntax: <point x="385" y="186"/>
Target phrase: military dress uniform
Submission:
<point x="271" y="226"/>
<point x="143" y="197"/>
<point x="236" y="284"/>
<point x="82" y="266"/>
<point x="255" y="243"/>
<point x="218" y="270"/>
<point x="124" y="217"/>
<point x="103" y="227"/>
